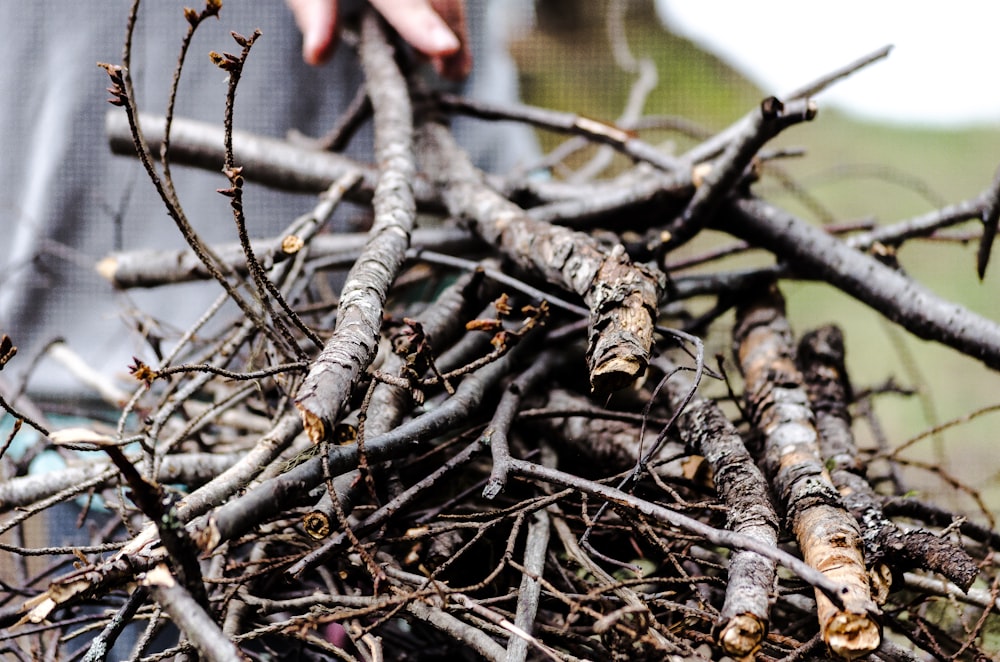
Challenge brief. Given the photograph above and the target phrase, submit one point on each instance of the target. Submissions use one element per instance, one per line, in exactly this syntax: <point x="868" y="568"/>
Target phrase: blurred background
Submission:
<point x="906" y="135"/>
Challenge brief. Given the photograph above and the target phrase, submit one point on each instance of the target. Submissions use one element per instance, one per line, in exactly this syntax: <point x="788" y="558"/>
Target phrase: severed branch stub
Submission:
<point x="622" y="296"/>
<point x="827" y="534"/>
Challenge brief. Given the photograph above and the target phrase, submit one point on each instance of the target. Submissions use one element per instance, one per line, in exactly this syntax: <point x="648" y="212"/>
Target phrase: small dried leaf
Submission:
<point x="502" y="305"/>
<point x="502" y="339"/>
<point x="483" y="325"/>
<point x="142" y="372"/>
<point x="218" y="59"/>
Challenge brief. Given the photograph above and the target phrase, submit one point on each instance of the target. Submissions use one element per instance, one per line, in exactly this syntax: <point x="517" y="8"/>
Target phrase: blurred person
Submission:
<point x="66" y="202"/>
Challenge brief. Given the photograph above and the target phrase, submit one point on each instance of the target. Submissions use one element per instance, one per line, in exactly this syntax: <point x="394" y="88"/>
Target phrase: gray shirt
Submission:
<point x="66" y="202"/>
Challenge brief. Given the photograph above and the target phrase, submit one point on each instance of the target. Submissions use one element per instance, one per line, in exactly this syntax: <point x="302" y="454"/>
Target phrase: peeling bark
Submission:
<point x="622" y="296"/>
<point x="821" y="358"/>
<point x="828" y="536"/>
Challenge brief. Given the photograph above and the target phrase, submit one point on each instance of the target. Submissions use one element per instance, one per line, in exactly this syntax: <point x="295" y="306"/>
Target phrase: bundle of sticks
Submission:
<point x="502" y="438"/>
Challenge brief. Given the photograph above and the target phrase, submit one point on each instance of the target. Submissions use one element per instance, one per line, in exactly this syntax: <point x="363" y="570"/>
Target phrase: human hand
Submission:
<point x="435" y="28"/>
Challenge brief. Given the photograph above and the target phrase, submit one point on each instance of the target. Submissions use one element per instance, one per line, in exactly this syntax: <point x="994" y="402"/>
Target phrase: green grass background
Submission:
<point x="858" y="170"/>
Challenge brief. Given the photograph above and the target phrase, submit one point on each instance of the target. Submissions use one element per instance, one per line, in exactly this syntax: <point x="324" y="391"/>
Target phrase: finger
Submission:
<point x="420" y="26"/>
<point x="317" y="20"/>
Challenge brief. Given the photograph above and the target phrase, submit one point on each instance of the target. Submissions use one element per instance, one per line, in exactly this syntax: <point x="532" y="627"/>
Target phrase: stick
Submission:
<point x="745" y="615"/>
<point x="816" y="254"/>
<point x="821" y="359"/>
<point x="828" y="536"/>
<point x="348" y="352"/>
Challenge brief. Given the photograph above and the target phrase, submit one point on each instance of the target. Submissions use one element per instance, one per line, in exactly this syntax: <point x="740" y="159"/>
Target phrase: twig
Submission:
<point x="535" y="552"/>
<point x="817" y="86"/>
<point x="495" y="435"/>
<point x="380" y="516"/>
<point x="191" y="617"/>
<point x="123" y="95"/>
<point x="745" y="614"/>
<point x="766" y="122"/>
<point x="569" y="123"/>
<point x="273" y="496"/>
<point x="151" y="499"/>
<point x="22" y="491"/>
<point x="832" y="589"/>
<point x="152" y="268"/>
<point x="233" y="65"/>
<point x="990" y="217"/>
<point x="821" y="359"/>
<point x="102" y="644"/>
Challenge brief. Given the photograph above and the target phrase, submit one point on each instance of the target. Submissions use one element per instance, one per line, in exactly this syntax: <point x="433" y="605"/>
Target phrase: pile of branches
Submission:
<point x="494" y="443"/>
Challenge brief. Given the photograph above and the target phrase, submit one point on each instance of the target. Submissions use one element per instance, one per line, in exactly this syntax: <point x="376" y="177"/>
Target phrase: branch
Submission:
<point x="816" y="254"/>
<point x="828" y="536"/>
<point x="821" y="359"/>
<point x="761" y="125"/>
<point x="352" y="346"/>
<point x="817" y="86"/>
<point x="189" y="616"/>
<point x="536" y="548"/>
<point x="622" y="297"/>
<point x="156" y="267"/>
<point x="745" y="615"/>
